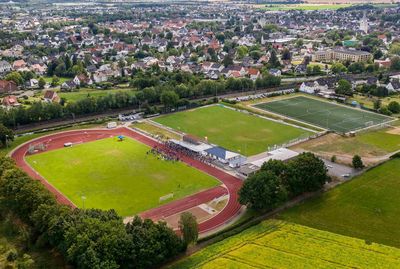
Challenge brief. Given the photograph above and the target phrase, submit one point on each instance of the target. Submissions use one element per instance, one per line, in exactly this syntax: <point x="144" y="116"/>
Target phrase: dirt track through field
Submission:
<point x="230" y="186"/>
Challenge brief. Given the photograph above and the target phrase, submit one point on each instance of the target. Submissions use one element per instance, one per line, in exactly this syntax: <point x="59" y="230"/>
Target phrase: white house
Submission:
<point x="5" y="67"/>
<point x="393" y="86"/>
<point x="308" y="87"/>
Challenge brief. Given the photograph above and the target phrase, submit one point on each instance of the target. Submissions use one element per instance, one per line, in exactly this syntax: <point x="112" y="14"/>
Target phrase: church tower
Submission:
<point x="364" y="23"/>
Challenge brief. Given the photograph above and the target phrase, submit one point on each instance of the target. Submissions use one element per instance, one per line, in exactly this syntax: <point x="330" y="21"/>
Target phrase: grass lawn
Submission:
<point x="155" y="130"/>
<point x="373" y="143"/>
<point x="369" y="102"/>
<point x="232" y="129"/>
<point x="278" y="244"/>
<point x="62" y="79"/>
<point x="118" y="175"/>
<point x="367" y="207"/>
<point x="85" y="92"/>
<point x="328" y="115"/>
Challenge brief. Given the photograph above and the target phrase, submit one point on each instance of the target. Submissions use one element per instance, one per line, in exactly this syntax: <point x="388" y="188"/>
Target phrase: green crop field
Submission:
<point x="366" y="207"/>
<point x="232" y="129"/>
<point x="278" y="244"/>
<point x="327" y="115"/>
<point x="118" y="175"/>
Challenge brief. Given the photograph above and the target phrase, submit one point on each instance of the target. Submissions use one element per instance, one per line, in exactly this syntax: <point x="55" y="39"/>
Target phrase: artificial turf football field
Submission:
<point x="117" y="175"/>
<point x="323" y="114"/>
<point x="232" y="129"/>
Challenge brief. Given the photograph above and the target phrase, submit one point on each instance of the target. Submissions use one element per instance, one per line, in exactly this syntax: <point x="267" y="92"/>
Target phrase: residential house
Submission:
<point x="39" y="69"/>
<point x="5" y="67"/>
<point x="10" y="101"/>
<point x="393" y="86"/>
<point x="308" y="87"/>
<point x="82" y="79"/>
<point x="51" y="97"/>
<point x="253" y="73"/>
<point x="19" y="64"/>
<point x="7" y="86"/>
<point x="68" y="85"/>
<point x="32" y="83"/>
<point x="275" y="72"/>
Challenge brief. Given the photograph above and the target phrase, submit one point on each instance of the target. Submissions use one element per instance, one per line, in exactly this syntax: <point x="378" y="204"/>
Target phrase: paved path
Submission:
<point x="230" y="186"/>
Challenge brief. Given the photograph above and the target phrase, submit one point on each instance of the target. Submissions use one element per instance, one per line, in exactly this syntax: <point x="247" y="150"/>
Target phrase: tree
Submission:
<point x="344" y="87"/>
<point x="378" y="54"/>
<point x="306" y="173"/>
<point x="189" y="228"/>
<point x="394" y="107"/>
<point x="338" y="68"/>
<point x="385" y="111"/>
<point x="356" y="68"/>
<point x="55" y="81"/>
<point x="275" y="166"/>
<point x="273" y="60"/>
<point x="377" y="104"/>
<point x="227" y="61"/>
<point x="357" y="162"/>
<point x="262" y="191"/>
<point x="286" y="55"/>
<point x="41" y="83"/>
<point x="395" y="64"/>
<point x="316" y="69"/>
<point x="242" y="51"/>
<point x="299" y="43"/>
<point x="169" y="99"/>
<point x="5" y="135"/>
<point x="16" y="77"/>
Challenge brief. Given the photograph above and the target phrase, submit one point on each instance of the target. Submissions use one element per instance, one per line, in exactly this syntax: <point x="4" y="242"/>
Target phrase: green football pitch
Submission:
<point x="233" y="130"/>
<point x="117" y="175"/>
<point x="327" y="115"/>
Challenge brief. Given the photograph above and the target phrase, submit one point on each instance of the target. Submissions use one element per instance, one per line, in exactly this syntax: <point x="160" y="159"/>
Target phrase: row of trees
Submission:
<point x="171" y="90"/>
<point x="276" y="181"/>
<point x="87" y="238"/>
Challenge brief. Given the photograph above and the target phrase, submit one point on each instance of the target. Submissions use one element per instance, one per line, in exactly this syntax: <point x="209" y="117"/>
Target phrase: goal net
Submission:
<point x="369" y="123"/>
<point x="166" y="197"/>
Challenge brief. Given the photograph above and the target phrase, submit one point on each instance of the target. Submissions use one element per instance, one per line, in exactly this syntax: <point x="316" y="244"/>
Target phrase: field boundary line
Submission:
<point x="317" y="98"/>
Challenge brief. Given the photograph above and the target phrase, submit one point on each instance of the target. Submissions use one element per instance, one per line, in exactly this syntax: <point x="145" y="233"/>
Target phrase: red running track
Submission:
<point x="231" y="184"/>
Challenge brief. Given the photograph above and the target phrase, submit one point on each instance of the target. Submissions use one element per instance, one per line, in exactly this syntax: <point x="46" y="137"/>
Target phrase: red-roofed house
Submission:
<point x="82" y="79"/>
<point x="19" y="64"/>
<point x="7" y="86"/>
<point x="51" y="97"/>
<point x="253" y="73"/>
<point x="10" y="101"/>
